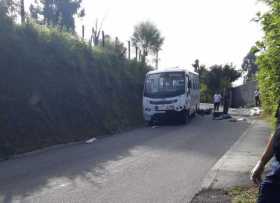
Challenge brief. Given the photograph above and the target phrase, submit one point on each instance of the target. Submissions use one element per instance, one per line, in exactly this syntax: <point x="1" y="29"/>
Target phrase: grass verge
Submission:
<point x="270" y="119"/>
<point x="244" y="194"/>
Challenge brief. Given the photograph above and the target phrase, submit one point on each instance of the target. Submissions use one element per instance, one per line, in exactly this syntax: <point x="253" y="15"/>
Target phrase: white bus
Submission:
<point x="170" y="94"/>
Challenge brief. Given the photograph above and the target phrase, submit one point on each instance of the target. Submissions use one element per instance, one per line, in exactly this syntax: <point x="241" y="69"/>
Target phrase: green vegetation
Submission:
<point x="249" y="65"/>
<point x="58" y="13"/>
<point x="148" y="38"/>
<point x="8" y="8"/>
<point x="196" y="65"/>
<point x="216" y="79"/>
<point x="244" y="194"/>
<point x="268" y="60"/>
<point x="55" y="88"/>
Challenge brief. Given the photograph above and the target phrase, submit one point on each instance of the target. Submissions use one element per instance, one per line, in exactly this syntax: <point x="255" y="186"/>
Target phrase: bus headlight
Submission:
<point x="148" y="109"/>
<point x="179" y="108"/>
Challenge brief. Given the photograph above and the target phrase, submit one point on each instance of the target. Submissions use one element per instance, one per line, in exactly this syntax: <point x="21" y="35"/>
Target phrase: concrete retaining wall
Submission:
<point x="244" y="95"/>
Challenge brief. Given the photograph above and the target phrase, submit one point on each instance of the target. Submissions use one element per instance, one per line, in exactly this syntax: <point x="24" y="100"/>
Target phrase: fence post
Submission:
<point x="129" y="50"/>
<point x="92" y="39"/>
<point x="83" y="32"/>
<point x="136" y="53"/>
<point x="103" y="39"/>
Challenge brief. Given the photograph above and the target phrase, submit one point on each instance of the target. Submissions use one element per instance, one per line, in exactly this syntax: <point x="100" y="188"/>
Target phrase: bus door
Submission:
<point x="188" y="91"/>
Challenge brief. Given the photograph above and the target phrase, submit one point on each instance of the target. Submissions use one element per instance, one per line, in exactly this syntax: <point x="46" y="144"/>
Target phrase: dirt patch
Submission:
<point x="212" y="196"/>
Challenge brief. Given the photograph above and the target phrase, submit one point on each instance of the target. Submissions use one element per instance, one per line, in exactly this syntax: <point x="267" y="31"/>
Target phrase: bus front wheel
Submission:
<point x="185" y="117"/>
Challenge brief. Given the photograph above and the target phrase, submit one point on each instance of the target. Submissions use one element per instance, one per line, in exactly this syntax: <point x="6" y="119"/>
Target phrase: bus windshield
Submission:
<point x="167" y="84"/>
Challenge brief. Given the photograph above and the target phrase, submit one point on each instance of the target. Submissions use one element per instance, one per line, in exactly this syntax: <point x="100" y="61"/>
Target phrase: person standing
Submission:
<point x="217" y="101"/>
<point x="257" y="98"/>
<point x="269" y="187"/>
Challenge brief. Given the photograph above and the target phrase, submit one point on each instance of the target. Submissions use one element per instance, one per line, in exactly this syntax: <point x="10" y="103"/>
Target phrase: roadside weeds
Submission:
<point x="246" y="194"/>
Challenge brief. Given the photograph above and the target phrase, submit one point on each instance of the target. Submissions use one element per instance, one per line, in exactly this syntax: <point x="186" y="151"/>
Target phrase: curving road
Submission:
<point x="164" y="164"/>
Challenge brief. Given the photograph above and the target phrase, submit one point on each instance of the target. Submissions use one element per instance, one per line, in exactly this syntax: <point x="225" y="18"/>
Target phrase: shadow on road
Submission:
<point x="92" y="163"/>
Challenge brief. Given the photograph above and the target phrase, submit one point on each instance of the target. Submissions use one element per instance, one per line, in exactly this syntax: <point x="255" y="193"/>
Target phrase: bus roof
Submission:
<point x="175" y="69"/>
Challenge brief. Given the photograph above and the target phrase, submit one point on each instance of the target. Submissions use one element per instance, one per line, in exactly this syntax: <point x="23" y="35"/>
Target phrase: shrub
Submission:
<point x="56" y="89"/>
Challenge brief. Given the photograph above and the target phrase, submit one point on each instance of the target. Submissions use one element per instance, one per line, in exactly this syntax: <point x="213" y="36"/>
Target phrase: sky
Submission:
<point x="215" y="32"/>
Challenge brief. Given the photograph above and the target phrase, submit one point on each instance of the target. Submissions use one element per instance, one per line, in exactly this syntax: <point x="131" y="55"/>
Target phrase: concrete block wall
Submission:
<point x="244" y="95"/>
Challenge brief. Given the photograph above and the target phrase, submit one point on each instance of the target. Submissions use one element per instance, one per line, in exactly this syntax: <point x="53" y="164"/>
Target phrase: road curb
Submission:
<point x="210" y="178"/>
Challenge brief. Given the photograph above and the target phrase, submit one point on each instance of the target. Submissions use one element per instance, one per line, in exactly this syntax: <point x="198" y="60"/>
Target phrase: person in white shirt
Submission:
<point x="217" y="101"/>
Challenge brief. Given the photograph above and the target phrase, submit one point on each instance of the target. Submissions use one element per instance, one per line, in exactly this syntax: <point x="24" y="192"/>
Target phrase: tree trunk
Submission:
<point x="22" y="11"/>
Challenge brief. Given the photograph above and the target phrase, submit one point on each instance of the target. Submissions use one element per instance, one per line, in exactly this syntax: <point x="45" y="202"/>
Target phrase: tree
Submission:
<point x="34" y="10"/>
<point x="221" y="77"/>
<point x="230" y="74"/>
<point x="22" y="11"/>
<point x="205" y="95"/>
<point x="148" y="38"/>
<point x="8" y="8"/>
<point x="249" y="65"/>
<point x="216" y="79"/>
<point x="196" y="65"/>
<point x="60" y="13"/>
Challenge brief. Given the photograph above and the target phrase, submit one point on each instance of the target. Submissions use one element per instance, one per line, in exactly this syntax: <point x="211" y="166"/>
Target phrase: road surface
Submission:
<point x="164" y="164"/>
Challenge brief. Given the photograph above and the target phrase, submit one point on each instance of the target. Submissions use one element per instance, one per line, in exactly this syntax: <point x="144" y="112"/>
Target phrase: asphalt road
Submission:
<point x="164" y="164"/>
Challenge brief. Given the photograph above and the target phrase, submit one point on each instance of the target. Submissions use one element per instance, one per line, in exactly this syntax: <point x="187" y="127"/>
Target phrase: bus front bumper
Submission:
<point x="169" y="115"/>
